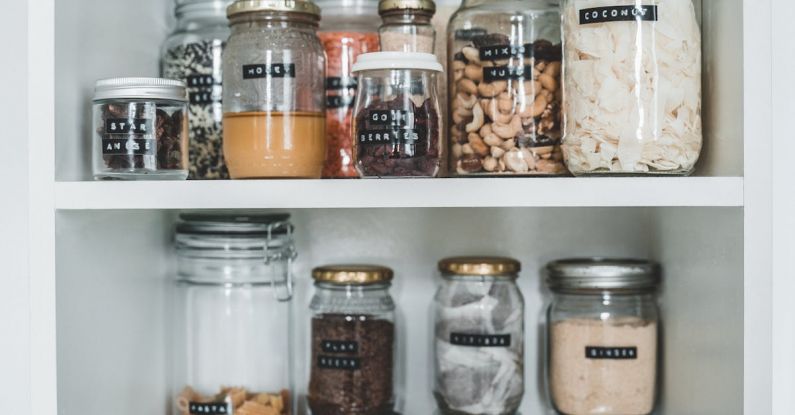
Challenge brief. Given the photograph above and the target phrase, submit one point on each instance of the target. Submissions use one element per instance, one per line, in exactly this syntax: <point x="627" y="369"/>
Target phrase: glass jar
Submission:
<point x="505" y="97"/>
<point x="633" y="87"/>
<point x="479" y="337"/>
<point x="192" y="54"/>
<point x="397" y="128"/>
<point x="140" y="129"/>
<point x="407" y="26"/>
<point x="232" y="331"/>
<point x="353" y="341"/>
<point x="274" y="99"/>
<point x="349" y="28"/>
<point x="603" y="325"/>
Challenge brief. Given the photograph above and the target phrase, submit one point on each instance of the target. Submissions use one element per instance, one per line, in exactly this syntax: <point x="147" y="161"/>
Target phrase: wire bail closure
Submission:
<point x="287" y="253"/>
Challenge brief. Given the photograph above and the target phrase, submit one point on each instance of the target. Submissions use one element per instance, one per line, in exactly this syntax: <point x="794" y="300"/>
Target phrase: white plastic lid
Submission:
<point x="397" y="60"/>
<point x="146" y="88"/>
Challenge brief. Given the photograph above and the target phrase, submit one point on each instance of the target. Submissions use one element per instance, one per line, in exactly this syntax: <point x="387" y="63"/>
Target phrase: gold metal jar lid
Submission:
<point x="478" y="266"/>
<point x="353" y="274"/>
<point x="386" y="6"/>
<point x="289" y="6"/>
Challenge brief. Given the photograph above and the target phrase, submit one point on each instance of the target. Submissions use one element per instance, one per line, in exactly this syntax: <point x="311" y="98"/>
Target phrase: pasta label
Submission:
<point x="213" y="408"/>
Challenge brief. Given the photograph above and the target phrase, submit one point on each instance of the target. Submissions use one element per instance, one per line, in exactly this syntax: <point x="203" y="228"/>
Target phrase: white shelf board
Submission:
<point x="396" y="193"/>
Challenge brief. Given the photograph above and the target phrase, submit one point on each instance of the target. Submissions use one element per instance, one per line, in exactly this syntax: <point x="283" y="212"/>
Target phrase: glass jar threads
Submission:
<point x="479" y="337"/>
<point x="140" y="129"/>
<point x="274" y="96"/>
<point x="192" y="54"/>
<point x="633" y="87"/>
<point x="232" y="343"/>
<point x="603" y="326"/>
<point x="407" y="25"/>
<point x="349" y="28"/>
<point x="352" y="341"/>
<point x="397" y="127"/>
<point x="505" y="90"/>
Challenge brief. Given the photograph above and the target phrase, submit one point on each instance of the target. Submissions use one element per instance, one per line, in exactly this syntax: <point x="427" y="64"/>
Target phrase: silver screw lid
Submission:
<point x="289" y="6"/>
<point x="141" y="88"/>
<point x="586" y="275"/>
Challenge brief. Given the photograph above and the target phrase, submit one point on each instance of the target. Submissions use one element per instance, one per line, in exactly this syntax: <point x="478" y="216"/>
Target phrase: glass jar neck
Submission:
<point x="197" y="20"/>
<point x="409" y="17"/>
<point x="605" y="297"/>
<point x="274" y="20"/>
<point x="505" y="279"/>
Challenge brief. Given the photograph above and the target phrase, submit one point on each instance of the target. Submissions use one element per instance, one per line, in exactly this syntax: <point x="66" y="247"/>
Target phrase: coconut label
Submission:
<point x="618" y="14"/>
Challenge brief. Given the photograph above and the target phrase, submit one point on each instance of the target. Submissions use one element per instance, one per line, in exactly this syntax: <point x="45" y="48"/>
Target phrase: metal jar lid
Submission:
<point x="233" y="225"/>
<point x="477" y="266"/>
<point x="141" y="88"/>
<point x="353" y="274"/>
<point x="387" y="6"/>
<point x="288" y="6"/>
<point x="589" y="275"/>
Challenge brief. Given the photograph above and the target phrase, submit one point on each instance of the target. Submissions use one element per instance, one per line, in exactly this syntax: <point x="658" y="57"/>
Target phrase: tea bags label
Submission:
<point x="337" y="346"/>
<point x="618" y="14"/>
<point x="274" y="70"/>
<point x="611" y="353"/>
<point x="480" y="340"/>
<point x="339" y="363"/>
<point x="214" y="408"/>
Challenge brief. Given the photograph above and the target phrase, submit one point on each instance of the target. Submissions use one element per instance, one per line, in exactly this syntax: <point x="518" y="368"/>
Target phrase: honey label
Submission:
<point x="611" y="353"/>
<point x="480" y="340"/>
<point x="275" y="70"/>
<point x="618" y="14"/>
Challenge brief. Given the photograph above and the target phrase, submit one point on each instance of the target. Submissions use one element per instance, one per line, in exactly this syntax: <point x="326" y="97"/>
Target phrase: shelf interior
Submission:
<point x="113" y="270"/>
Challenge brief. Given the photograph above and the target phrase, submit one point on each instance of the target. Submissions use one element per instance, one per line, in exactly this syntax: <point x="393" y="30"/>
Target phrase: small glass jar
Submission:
<point x="233" y="315"/>
<point x="353" y="341"/>
<point x="349" y="28"/>
<point x="192" y="54"/>
<point x="603" y="325"/>
<point x="505" y="90"/>
<point x="274" y="95"/>
<point x="397" y="128"/>
<point x="140" y="129"/>
<point x="407" y="26"/>
<point x="479" y="337"/>
<point x="632" y="87"/>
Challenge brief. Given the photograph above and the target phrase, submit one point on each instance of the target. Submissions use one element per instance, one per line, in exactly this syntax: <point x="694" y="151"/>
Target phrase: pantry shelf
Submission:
<point x="418" y="193"/>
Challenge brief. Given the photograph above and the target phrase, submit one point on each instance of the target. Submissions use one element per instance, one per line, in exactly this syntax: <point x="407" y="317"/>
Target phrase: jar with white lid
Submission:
<point x="407" y="26"/>
<point x="603" y="328"/>
<point x="232" y="343"/>
<point x="140" y="129"/>
<point x="398" y="129"/>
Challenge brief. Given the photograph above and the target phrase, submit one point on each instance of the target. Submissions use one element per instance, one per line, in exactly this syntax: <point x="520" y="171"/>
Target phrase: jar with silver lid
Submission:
<point x="603" y="328"/>
<point x="140" y="129"/>
<point x="407" y="26"/>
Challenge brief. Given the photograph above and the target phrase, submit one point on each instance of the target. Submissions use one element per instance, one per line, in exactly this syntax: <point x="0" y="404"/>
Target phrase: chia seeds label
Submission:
<point x="337" y="346"/>
<point x="204" y="89"/>
<point x="611" y="353"/>
<point x="618" y="14"/>
<point x="480" y="340"/>
<point x="275" y="70"/>
<point x="339" y="363"/>
<point x="214" y="408"/>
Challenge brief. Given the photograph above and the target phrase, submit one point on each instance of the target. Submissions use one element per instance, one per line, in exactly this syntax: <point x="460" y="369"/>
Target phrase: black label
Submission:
<point x="214" y="408"/>
<point x="199" y="81"/>
<point x="202" y="91"/>
<point x="203" y="97"/>
<point x="469" y="34"/>
<point x="337" y="346"/>
<point x="618" y="14"/>
<point x="491" y="53"/>
<point x="390" y="118"/>
<point x="504" y="73"/>
<point x="339" y="363"/>
<point x="140" y="126"/>
<point x="409" y="136"/>
<point x="611" y="353"/>
<point x="335" y="83"/>
<point x="480" y="340"/>
<point x="131" y="146"/>
<point x="276" y="70"/>
<point x="339" y="101"/>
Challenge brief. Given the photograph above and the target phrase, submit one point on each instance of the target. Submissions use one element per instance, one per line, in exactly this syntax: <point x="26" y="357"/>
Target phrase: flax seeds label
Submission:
<point x="611" y="353"/>
<point x="129" y="137"/>
<point x="618" y="14"/>
<point x="214" y="408"/>
<point x="480" y="340"/>
<point x="204" y="89"/>
<point x="275" y="70"/>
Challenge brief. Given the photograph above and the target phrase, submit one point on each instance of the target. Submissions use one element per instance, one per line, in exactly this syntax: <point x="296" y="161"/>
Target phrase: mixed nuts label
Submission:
<point x="480" y="340"/>
<point x="275" y="70"/>
<point x="611" y="353"/>
<point x="618" y="14"/>
<point x="214" y="408"/>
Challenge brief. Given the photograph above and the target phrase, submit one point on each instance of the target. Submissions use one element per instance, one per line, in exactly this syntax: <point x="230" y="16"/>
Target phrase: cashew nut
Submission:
<point x="490" y="164"/>
<point x="529" y="159"/>
<point x="505" y="103"/>
<point x="467" y="86"/>
<point x="467" y="149"/>
<point x="477" y="120"/>
<point x="491" y="110"/>
<point x="464" y="102"/>
<point x="477" y="144"/>
<point x="471" y="54"/>
<point x="553" y="69"/>
<point x="508" y="130"/>
<point x="474" y="72"/>
<point x="457" y="151"/>
<point x="538" y="107"/>
<point x="492" y="89"/>
<point x="549" y="83"/>
<point x="461" y="115"/>
<point x="492" y="140"/>
<point x="497" y="152"/>
<point x="485" y="130"/>
<point x="515" y="162"/>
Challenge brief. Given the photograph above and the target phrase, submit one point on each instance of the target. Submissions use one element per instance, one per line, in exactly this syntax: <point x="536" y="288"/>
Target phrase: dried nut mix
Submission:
<point x="506" y="107"/>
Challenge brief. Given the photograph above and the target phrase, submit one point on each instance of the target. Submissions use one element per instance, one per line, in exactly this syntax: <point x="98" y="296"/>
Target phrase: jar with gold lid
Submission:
<point x="352" y="341"/>
<point x="407" y="25"/>
<point x="479" y="337"/>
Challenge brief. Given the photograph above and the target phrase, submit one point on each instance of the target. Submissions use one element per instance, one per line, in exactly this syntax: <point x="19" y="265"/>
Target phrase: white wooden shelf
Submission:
<point x="397" y="193"/>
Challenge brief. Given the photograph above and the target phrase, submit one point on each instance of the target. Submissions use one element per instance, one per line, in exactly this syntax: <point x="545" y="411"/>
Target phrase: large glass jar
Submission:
<point x="353" y="341"/>
<point x="505" y="96"/>
<point x="479" y="337"/>
<point x="632" y="87"/>
<point x="192" y="54"/>
<point x="233" y="315"/>
<point x="274" y="95"/>
<point x="349" y="28"/>
<point x="407" y="26"/>
<point x="603" y="325"/>
<point x="397" y="127"/>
